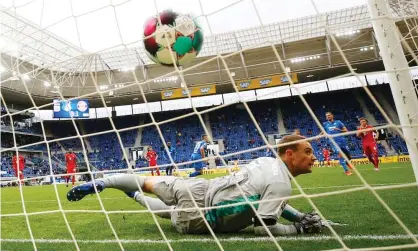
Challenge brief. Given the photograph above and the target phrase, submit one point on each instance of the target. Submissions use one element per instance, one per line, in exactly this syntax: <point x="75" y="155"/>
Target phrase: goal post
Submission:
<point x="401" y="84"/>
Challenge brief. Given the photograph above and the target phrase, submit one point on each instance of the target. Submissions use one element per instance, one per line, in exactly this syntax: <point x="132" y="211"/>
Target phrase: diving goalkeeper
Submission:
<point x="264" y="180"/>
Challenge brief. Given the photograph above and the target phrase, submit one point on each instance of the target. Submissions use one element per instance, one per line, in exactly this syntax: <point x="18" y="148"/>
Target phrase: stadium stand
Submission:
<point x="66" y="129"/>
<point x="106" y="149"/>
<point x="19" y="126"/>
<point x="182" y="134"/>
<point x="238" y="131"/>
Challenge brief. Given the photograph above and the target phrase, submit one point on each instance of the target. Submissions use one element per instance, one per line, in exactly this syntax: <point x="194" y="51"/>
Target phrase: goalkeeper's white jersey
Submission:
<point x="264" y="180"/>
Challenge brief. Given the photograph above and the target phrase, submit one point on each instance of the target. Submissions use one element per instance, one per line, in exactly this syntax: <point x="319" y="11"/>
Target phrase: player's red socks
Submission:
<point x="21" y="181"/>
<point x="376" y="161"/>
<point x="371" y="159"/>
<point x="67" y="179"/>
<point x="157" y="172"/>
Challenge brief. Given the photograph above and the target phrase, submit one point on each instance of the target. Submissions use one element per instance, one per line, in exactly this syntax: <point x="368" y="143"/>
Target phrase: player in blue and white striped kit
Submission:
<point x="199" y="153"/>
<point x="332" y="126"/>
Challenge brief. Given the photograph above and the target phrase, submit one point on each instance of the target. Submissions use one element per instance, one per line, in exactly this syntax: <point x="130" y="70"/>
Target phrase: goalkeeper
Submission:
<point x="264" y="180"/>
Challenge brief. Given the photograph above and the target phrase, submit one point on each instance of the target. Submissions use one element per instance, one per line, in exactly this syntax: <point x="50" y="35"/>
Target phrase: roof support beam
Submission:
<point x="243" y="64"/>
<point x="218" y="60"/>
<point x="143" y="69"/>
<point x="145" y="75"/>
<point x="219" y="70"/>
<point x="376" y="53"/>
<point x="328" y="49"/>
<point x="328" y="42"/>
<point x="239" y="47"/>
<point x="283" y="50"/>
<point x="84" y="75"/>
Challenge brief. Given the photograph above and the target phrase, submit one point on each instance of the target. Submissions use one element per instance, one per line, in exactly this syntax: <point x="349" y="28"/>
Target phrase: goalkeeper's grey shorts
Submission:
<point x="175" y="192"/>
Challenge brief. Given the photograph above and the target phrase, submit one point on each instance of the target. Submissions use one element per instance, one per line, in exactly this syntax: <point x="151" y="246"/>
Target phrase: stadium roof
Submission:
<point x="38" y="45"/>
<point x="41" y="47"/>
<point x="73" y="68"/>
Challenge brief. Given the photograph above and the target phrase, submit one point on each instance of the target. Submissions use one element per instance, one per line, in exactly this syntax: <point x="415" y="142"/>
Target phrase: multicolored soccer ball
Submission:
<point x="178" y="32"/>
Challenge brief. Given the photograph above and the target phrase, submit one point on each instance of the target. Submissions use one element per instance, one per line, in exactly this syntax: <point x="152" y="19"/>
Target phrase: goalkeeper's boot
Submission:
<point x="348" y="173"/>
<point x="78" y="192"/>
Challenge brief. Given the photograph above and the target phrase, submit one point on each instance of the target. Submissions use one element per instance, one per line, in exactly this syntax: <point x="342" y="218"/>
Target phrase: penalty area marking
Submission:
<point x="231" y="239"/>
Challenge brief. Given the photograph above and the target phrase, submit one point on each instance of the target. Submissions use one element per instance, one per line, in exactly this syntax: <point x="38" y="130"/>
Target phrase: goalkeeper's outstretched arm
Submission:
<point x="292" y="214"/>
<point x="275" y="228"/>
<point x="271" y="207"/>
<point x="310" y="223"/>
<point x="303" y="223"/>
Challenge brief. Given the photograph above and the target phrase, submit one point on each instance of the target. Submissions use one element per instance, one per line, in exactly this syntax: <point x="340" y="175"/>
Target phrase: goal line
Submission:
<point x="231" y="239"/>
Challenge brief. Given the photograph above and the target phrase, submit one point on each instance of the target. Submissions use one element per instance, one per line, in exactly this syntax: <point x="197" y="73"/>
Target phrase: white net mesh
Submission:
<point x="61" y="69"/>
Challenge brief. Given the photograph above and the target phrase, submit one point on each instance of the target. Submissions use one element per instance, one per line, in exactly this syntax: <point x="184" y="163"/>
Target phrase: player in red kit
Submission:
<point x="325" y="152"/>
<point x="152" y="157"/>
<point x="71" y="163"/>
<point x="18" y="167"/>
<point x="369" y="142"/>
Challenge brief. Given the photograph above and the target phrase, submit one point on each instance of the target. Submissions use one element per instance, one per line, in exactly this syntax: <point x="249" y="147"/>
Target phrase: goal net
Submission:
<point x="256" y="80"/>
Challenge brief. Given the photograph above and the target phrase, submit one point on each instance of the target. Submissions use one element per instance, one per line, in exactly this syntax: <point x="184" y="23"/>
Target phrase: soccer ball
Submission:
<point x="178" y="32"/>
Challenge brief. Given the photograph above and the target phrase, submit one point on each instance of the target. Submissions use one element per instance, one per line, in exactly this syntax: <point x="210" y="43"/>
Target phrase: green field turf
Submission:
<point x="369" y="224"/>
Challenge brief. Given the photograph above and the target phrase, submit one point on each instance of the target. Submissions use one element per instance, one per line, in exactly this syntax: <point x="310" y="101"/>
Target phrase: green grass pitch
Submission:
<point x="368" y="223"/>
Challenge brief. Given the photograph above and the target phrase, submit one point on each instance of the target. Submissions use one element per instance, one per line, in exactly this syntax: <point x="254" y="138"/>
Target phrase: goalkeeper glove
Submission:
<point x="311" y="223"/>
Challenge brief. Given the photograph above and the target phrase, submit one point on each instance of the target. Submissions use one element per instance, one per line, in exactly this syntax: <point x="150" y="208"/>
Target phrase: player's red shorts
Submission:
<point x="326" y="157"/>
<point x="153" y="163"/>
<point x="70" y="170"/>
<point x="370" y="149"/>
<point x="20" y="172"/>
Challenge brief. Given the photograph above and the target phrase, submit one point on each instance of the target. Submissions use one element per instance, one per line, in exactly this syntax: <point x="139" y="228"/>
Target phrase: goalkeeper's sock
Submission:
<point x="158" y="172"/>
<point x="124" y="182"/>
<point x="153" y="204"/>
<point x="195" y="173"/>
<point x="343" y="163"/>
